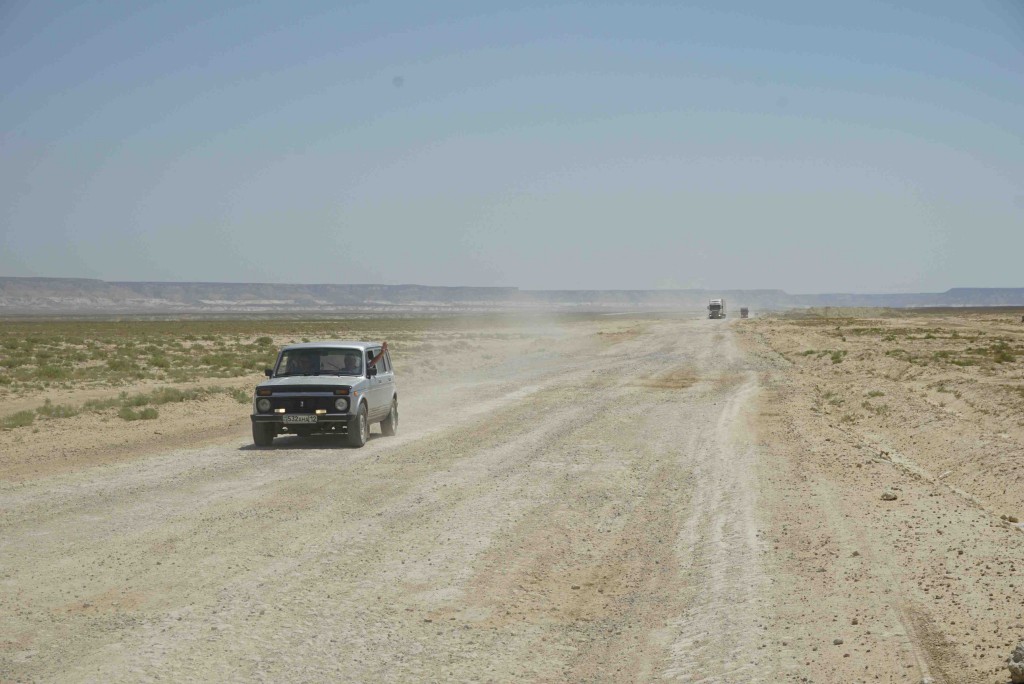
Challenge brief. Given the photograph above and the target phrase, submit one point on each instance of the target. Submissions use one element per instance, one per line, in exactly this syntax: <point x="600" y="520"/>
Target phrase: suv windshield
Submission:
<point x="320" y="362"/>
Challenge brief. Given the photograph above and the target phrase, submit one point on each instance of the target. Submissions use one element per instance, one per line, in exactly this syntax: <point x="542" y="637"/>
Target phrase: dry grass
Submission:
<point x="113" y="365"/>
<point x="125" y="404"/>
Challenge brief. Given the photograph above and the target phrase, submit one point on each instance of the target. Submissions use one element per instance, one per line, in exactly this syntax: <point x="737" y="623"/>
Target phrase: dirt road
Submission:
<point x="621" y="508"/>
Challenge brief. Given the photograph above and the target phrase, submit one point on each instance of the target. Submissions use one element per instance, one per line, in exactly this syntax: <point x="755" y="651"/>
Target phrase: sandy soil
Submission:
<point x="933" y="579"/>
<point x="609" y="500"/>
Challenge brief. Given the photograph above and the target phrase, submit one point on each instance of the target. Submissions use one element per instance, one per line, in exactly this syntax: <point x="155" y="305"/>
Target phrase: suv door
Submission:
<point x="387" y="382"/>
<point x="377" y="388"/>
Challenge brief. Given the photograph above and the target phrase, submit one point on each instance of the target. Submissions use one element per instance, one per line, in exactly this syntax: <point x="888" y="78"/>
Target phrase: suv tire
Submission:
<point x="263" y="434"/>
<point x="360" y="429"/>
<point x="389" y="426"/>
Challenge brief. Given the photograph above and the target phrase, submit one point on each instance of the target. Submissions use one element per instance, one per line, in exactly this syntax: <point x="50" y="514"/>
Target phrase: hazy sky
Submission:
<point x="810" y="146"/>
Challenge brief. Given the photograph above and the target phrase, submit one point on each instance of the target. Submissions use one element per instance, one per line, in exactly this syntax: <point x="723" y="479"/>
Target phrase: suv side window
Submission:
<point x="370" y="353"/>
<point x="387" y="357"/>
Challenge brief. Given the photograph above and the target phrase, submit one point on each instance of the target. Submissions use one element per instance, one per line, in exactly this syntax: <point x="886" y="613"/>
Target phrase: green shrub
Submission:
<point x="52" y="373"/>
<point x="878" y="410"/>
<point x="19" y="419"/>
<point x="832" y="398"/>
<point x="136" y="400"/>
<point x="264" y="341"/>
<point x="120" y="363"/>
<point x="170" y="395"/>
<point x="51" y="410"/>
<point x="101" y="404"/>
<point x="1003" y="356"/>
<point x="148" y="413"/>
<point x="218" y="360"/>
<point x="173" y="395"/>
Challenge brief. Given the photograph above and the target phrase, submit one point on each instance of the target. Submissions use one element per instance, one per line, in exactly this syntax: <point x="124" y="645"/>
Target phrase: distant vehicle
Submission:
<point x="716" y="308"/>
<point x="744" y="312"/>
<point x="326" y="388"/>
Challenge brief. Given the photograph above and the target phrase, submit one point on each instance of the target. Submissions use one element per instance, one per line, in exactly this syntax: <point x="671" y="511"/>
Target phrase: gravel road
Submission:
<point x="588" y="516"/>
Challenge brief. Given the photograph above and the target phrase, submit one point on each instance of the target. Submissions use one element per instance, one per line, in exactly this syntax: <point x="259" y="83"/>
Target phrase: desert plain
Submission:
<point x="818" y="496"/>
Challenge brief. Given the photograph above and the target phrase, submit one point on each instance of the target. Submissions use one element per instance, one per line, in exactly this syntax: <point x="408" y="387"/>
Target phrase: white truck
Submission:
<point x="716" y="308"/>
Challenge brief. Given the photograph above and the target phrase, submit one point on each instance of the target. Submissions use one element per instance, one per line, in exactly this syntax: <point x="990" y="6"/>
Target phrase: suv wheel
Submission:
<point x="359" y="431"/>
<point x="263" y="434"/>
<point x="389" y="426"/>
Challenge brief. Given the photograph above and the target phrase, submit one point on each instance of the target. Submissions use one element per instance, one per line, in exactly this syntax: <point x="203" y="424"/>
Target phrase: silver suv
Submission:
<point x="327" y="388"/>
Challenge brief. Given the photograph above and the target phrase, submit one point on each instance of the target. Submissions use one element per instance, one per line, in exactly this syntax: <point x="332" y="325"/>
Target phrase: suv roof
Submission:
<point x="339" y="344"/>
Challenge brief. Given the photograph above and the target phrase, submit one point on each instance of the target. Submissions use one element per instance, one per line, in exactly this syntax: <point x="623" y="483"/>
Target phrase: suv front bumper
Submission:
<point x="327" y="422"/>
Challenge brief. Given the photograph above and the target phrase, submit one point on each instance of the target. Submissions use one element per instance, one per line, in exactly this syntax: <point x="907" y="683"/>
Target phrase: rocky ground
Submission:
<point x="610" y="499"/>
<point x="859" y="410"/>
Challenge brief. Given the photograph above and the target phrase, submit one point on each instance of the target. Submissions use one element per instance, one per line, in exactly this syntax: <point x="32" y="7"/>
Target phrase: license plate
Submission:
<point x="297" y="418"/>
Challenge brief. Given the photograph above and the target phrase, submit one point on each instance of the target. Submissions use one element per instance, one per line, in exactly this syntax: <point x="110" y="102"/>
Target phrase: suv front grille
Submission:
<point x="305" y="389"/>
<point x="304" y="404"/>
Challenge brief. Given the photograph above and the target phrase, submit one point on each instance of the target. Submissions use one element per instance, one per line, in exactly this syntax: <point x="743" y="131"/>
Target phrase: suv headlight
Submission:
<point x="263" y="405"/>
<point x="341" y="404"/>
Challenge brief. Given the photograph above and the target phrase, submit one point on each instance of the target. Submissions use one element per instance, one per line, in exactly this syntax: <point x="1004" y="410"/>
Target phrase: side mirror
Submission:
<point x="268" y="372"/>
<point x="371" y="371"/>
